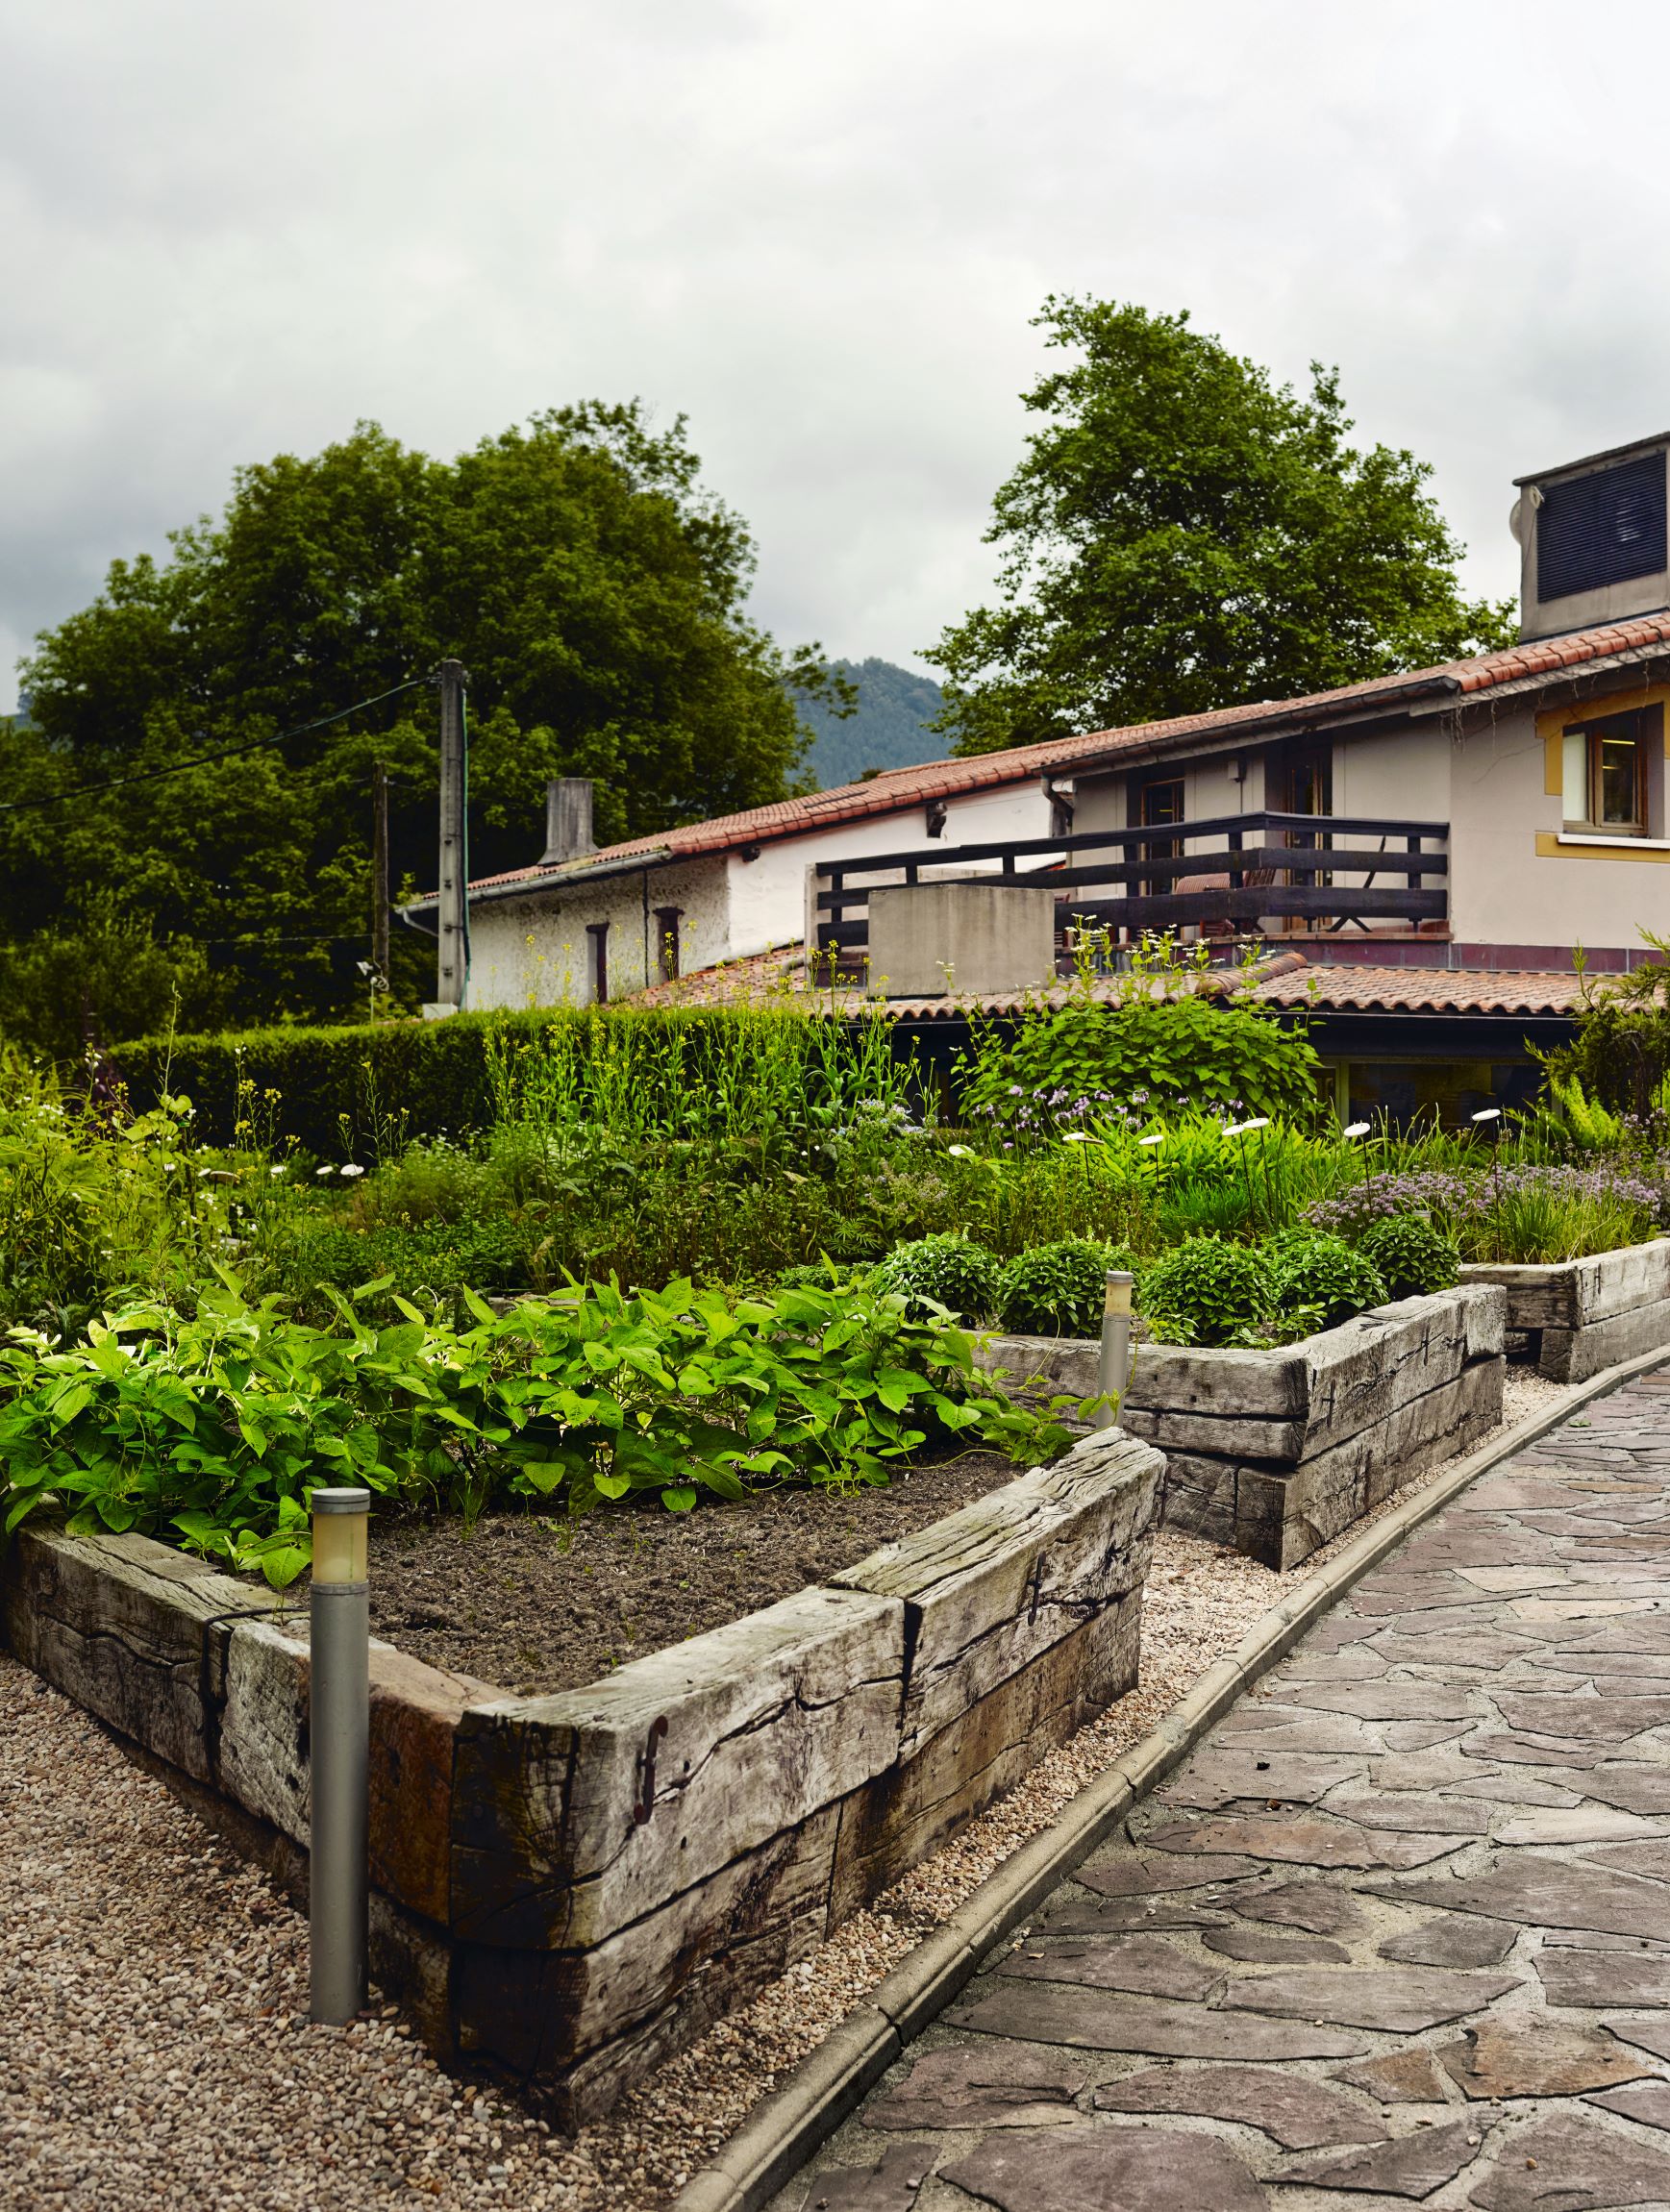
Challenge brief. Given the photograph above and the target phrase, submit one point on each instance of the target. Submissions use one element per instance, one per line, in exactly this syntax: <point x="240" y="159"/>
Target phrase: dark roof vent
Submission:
<point x="1594" y="543"/>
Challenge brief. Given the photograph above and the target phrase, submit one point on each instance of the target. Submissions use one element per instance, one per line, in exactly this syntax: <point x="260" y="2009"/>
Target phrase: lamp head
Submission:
<point x="340" y="1521"/>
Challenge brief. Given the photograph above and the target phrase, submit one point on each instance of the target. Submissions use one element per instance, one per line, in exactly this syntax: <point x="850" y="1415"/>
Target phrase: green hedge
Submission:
<point x="366" y="1090"/>
<point x="435" y="1074"/>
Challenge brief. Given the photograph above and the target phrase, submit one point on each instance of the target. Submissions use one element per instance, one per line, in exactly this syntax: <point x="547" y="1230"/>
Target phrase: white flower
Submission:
<point x="352" y="1170"/>
<point x="279" y="1170"/>
<point x="1159" y="1138"/>
<point x="1241" y="1127"/>
<point x="327" y="1169"/>
<point x="1077" y="1137"/>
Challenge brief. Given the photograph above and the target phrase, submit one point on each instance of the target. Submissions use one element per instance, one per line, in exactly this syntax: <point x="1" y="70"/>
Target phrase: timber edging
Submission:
<point x="782" y="2132"/>
<point x="566" y="1888"/>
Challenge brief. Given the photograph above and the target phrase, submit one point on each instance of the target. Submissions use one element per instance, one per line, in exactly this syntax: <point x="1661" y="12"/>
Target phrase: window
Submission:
<point x="598" y="932"/>
<point x="668" y="920"/>
<point x="1604" y="771"/>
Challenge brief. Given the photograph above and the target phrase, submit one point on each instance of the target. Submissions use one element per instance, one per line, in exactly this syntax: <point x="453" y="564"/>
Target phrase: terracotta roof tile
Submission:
<point x="899" y="788"/>
<point x="1424" y="991"/>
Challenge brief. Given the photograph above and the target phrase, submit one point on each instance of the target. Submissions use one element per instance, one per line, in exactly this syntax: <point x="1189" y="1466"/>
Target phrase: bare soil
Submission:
<point x="536" y="1606"/>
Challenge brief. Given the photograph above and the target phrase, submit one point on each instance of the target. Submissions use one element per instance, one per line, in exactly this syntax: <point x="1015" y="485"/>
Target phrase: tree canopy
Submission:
<point x="593" y="589"/>
<point x="1183" y="533"/>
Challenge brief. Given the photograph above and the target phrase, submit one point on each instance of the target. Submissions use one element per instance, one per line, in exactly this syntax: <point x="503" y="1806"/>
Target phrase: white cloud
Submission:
<point x="820" y="233"/>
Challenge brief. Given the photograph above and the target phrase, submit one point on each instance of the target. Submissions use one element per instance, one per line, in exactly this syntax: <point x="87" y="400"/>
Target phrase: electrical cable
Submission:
<point x="202" y="759"/>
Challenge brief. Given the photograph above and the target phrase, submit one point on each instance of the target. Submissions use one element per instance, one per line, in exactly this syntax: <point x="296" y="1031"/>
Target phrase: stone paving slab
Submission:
<point x="1398" y="1932"/>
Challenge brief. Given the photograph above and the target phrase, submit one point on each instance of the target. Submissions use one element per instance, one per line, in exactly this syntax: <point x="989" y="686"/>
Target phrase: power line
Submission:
<point x="200" y="760"/>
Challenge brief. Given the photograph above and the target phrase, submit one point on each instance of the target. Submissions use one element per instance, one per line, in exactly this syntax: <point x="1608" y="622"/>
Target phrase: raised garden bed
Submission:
<point x="1586" y="1314"/>
<point x="1275" y="1452"/>
<point x="566" y="1887"/>
<point x="540" y="1606"/>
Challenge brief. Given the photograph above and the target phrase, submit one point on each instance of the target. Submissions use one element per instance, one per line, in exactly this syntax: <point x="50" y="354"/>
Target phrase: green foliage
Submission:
<point x="1059" y="1289"/>
<point x="1209" y="1291"/>
<point x="1184" y="535"/>
<point x="761" y="1073"/>
<point x="215" y="1427"/>
<point x="1077" y="1061"/>
<point x="942" y="1271"/>
<point x="594" y="590"/>
<point x="1413" y="1256"/>
<point x="1321" y="1281"/>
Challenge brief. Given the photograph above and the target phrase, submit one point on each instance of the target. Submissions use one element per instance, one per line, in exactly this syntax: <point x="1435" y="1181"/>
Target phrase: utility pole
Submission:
<point x="379" y="880"/>
<point x="452" y="918"/>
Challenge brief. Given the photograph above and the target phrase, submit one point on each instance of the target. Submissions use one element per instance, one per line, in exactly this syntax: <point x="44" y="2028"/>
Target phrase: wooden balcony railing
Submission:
<point x="1241" y="874"/>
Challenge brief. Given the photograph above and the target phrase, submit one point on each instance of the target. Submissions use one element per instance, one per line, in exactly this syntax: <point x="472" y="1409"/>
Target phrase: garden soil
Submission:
<point x="536" y="1606"/>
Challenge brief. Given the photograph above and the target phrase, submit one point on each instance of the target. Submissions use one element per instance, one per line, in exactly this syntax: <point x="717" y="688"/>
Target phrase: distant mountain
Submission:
<point x="889" y="731"/>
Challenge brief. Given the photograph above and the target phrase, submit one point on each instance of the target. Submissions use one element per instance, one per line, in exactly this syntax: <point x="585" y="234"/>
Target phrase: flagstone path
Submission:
<point x="1398" y="1931"/>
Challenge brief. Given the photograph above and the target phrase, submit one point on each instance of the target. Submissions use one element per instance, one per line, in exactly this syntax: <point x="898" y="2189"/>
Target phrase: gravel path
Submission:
<point x="154" y="2046"/>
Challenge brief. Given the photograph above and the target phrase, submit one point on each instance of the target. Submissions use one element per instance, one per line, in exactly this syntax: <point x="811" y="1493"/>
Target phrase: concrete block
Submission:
<point x="931" y="940"/>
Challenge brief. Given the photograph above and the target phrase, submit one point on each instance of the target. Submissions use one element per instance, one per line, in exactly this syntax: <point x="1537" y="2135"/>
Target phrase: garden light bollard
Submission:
<point x="1115" y="1371"/>
<point x="339" y="1727"/>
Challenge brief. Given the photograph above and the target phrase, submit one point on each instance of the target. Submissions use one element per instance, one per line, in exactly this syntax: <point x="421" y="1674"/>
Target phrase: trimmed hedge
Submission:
<point x="432" y="1072"/>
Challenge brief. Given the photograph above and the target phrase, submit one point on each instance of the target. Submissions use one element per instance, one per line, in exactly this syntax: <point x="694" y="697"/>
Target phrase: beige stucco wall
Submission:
<point x="1505" y="890"/>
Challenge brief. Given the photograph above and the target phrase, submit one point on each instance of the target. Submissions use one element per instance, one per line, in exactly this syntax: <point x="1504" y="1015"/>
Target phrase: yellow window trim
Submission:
<point x="1549" y="847"/>
<point x="1553" y="723"/>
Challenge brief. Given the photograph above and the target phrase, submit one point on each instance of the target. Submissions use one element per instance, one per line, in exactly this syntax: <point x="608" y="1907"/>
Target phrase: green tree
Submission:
<point x="1184" y="535"/>
<point x="596" y="593"/>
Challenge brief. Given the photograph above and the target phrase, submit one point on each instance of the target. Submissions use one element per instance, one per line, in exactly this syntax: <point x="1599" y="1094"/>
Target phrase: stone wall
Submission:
<point x="567" y="1887"/>
<point x="1587" y="1314"/>
<point x="1275" y="1452"/>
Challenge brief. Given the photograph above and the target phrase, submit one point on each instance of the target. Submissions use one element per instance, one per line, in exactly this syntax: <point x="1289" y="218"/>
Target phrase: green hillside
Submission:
<point x="889" y="731"/>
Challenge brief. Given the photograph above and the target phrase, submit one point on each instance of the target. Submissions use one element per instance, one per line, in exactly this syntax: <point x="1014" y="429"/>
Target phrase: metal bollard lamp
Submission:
<point x="339" y="1725"/>
<point x="1115" y="1369"/>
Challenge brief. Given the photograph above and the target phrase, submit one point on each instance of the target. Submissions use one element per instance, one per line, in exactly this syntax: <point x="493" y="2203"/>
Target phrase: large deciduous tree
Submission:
<point x="595" y="592"/>
<point x="1184" y="534"/>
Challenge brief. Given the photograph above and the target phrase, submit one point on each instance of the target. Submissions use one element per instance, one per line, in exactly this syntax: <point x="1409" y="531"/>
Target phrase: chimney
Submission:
<point x="1592" y="540"/>
<point x="567" y="820"/>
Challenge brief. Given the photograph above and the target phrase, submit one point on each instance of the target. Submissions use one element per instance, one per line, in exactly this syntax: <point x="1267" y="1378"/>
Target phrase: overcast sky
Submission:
<point x="819" y="230"/>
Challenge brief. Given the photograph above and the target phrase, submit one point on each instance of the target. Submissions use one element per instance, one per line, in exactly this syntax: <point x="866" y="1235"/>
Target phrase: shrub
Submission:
<point x="1165" y="1050"/>
<point x="947" y="1271"/>
<point x="1321" y="1280"/>
<point x="1058" y="1289"/>
<point x="1209" y="1291"/>
<point x="1415" y="1257"/>
<point x="214" y="1427"/>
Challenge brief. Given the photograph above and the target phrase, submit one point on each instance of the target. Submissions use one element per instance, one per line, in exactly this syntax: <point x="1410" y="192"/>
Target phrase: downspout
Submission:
<point x="644" y="880"/>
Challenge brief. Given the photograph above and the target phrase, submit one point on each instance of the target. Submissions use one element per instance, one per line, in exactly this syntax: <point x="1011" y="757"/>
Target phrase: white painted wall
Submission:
<point x="533" y="950"/>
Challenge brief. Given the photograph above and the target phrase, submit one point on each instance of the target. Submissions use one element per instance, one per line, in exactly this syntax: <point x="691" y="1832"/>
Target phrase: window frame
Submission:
<point x="1582" y="766"/>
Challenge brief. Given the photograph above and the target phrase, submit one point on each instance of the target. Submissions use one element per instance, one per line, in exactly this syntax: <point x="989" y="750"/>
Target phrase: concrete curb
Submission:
<point x="781" y="2133"/>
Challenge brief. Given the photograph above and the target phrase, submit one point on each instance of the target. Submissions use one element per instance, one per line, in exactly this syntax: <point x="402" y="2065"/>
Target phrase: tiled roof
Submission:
<point x="1350" y="989"/>
<point x="897" y="789"/>
<point x="1287" y="978"/>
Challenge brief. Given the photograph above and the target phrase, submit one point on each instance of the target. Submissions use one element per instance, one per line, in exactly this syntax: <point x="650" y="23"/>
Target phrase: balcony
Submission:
<point x="1242" y="874"/>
